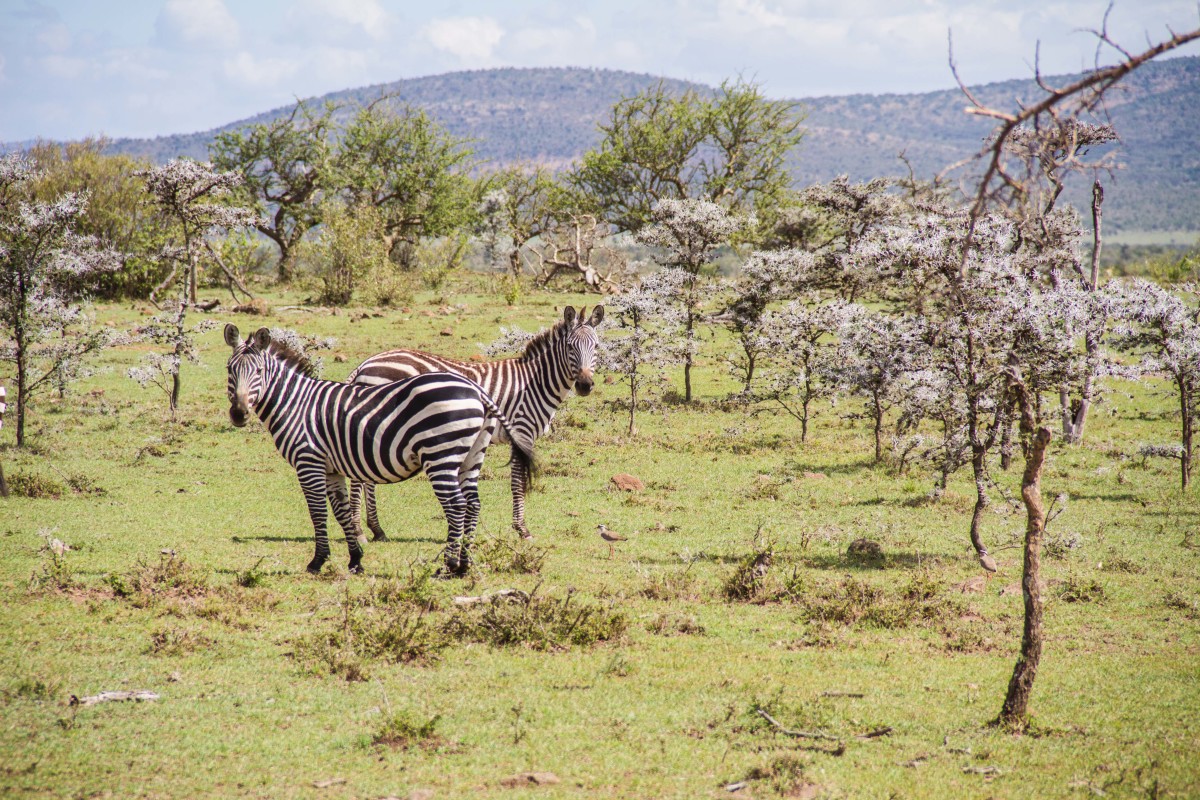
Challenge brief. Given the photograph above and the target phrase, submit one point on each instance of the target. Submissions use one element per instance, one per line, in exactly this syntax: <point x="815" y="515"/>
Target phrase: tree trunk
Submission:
<point x="3" y="483"/>
<point x="687" y="364"/>
<point x="632" y="405"/>
<point x="978" y="454"/>
<point x="22" y="400"/>
<point x="1014" y="714"/>
<point x="1097" y="201"/>
<point x="1185" y="458"/>
<point x="1073" y="424"/>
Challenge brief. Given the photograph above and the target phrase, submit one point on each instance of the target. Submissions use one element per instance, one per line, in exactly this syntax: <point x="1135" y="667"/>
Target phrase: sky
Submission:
<point x="75" y="68"/>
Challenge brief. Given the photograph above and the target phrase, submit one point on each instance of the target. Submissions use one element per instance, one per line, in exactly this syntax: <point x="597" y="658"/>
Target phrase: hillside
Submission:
<point x="550" y="115"/>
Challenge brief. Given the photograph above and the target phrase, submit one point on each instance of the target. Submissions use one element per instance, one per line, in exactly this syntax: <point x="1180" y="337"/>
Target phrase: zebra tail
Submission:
<point x="522" y="451"/>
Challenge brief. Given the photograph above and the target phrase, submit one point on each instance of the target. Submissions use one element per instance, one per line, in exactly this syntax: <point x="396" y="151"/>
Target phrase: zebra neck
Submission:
<point x="545" y="384"/>
<point x="281" y="389"/>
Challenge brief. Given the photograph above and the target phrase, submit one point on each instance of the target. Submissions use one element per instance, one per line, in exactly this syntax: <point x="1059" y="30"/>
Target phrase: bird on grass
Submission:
<point x="988" y="563"/>
<point x="610" y="537"/>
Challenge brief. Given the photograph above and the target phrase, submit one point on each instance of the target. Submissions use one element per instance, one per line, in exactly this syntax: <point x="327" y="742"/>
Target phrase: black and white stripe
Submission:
<point x="528" y="389"/>
<point x="329" y="432"/>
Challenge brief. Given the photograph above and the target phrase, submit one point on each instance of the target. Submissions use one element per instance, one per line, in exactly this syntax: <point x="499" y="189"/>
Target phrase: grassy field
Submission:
<point x="639" y="675"/>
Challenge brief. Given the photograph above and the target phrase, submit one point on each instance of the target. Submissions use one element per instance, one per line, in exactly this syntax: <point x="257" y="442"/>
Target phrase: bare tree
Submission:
<point x="1002" y="180"/>
<point x="578" y="245"/>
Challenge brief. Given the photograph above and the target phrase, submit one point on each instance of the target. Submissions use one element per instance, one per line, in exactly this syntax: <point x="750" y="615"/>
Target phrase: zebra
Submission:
<point x="528" y="389"/>
<point x="329" y="431"/>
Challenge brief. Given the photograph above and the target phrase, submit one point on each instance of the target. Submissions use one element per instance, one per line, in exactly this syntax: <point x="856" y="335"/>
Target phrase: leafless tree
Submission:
<point x="1054" y="115"/>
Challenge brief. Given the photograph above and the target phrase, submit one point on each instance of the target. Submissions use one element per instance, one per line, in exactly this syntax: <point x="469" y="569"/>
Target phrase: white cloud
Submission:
<point x="327" y="20"/>
<point x="55" y="37"/>
<point x="564" y="44"/>
<point x="64" y="67"/>
<point x="202" y="24"/>
<point x="470" y="39"/>
<point x="245" y="69"/>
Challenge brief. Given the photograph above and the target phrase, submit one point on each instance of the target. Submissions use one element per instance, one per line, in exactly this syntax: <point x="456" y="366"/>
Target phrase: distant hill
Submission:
<point x="550" y="115"/>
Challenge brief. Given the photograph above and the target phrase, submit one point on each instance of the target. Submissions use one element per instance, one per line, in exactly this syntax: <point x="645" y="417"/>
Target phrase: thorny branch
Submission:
<point x="1088" y="92"/>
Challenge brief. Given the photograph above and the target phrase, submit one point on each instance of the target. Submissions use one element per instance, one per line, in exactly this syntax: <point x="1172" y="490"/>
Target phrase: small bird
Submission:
<point x="610" y="537"/>
<point x="988" y="563"/>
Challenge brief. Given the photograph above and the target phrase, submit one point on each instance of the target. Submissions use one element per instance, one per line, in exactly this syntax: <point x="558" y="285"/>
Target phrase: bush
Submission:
<point x="539" y="623"/>
<point x="172" y="577"/>
<point x="855" y="602"/>
<point x="35" y="486"/>
<point x="400" y="732"/>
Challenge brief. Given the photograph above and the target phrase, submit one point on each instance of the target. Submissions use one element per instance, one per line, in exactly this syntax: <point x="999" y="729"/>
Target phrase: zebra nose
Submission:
<point x="583" y="384"/>
<point x="237" y="416"/>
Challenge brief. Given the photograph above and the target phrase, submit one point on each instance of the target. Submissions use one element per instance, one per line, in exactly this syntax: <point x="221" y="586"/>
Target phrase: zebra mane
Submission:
<point x="293" y="357"/>
<point x="542" y="342"/>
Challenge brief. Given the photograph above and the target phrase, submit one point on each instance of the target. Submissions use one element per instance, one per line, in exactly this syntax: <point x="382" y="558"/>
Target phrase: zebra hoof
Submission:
<point x="356" y="568"/>
<point x="379" y="536"/>
<point x="314" y="566"/>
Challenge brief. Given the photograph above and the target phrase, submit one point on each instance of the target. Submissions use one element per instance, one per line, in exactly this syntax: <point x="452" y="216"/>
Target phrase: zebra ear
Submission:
<point x="597" y="316"/>
<point x="232" y="336"/>
<point x="262" y="339"/>
<point x="569" y="315"/>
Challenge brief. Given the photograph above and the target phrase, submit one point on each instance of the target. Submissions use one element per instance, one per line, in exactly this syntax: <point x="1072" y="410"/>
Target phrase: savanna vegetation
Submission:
<point x="869" y="444"/>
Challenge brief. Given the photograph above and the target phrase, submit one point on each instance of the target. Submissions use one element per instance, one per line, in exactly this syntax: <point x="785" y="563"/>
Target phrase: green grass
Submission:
<point x="271" y="680"/>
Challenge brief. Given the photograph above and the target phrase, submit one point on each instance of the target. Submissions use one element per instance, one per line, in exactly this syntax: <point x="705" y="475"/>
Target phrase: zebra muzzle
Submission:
<point x="584" y="383"/>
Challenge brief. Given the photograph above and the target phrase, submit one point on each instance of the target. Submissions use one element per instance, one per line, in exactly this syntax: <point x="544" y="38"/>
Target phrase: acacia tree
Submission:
<point x="765" y="277"/>
<point x="283" y="165"/>
<point x="118" y="213"/>
<point x="579" y="245"/>
<point x="651" y="323"/>
<point x="999" y="185"/>
<point x="1158" y="324"/>
<point x="729" y="148"/>
<point x="801" y="357"/>
<point x="48" y="336"/>
<point x="186" y="191"/>
<point x="410" y="169"/>
<point x="520" y="203"/>
<point x="190" y="194"/>
<point x="689" y="232"/>
<point x="875" y="352"/>
<point x="162" y="370"/>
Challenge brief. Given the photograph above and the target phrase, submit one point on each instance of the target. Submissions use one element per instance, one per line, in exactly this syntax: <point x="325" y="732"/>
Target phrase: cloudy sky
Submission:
<point x="70" y="68"/>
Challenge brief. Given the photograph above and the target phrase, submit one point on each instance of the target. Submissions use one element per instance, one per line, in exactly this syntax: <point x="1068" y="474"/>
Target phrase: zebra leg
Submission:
<point x="518" y="483"/>
<point x="312" y="483"/>
<point x="468" y="485"/>
<point x="373" y="513"/>
<point x="454" y="506"/>
<point x="470" y="493"/>
<point x="339" y="499"/>
<point x="356" y="510"/>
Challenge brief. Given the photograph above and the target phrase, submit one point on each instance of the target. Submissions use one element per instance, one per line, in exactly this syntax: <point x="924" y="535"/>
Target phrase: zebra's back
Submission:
<point x="386" y="433"/>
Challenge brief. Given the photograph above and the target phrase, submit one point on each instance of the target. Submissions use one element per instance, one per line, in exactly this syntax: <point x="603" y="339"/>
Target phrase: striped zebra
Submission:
<point x="329" y="431"/>
<point x="528" y="388"/>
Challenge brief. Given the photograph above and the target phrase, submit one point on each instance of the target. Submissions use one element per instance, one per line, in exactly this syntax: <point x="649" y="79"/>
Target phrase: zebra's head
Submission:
<point x="245" y="369"/>
<point x="581" y="346"/>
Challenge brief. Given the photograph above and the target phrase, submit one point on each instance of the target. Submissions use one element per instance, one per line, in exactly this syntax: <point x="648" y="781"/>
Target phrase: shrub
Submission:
<point x="1077" y="590"/>
<point x="400" y="732"/>
<point x="539" y="623"/>
<point x="748" y="580"/>
<point x="35" y="486"/>
<point x="171" y="577"/>
<point x="520" y="557"/>
<point x="855" y="602"/>
<point x="670" y="623"/>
